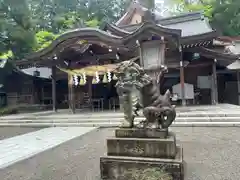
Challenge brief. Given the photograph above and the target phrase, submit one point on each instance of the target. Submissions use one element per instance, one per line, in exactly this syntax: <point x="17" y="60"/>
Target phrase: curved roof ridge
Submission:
<point x="176" y="33"/>
<point x="105" y="37"/>
<point x="83" y="33"/>
<point x="146" y="25"/>
<point x="116" y="30"/>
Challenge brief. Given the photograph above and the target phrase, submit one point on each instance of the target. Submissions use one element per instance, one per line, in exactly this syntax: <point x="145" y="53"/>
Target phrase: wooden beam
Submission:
<point x="49" y="63"/>
<point x="22" y="64"/>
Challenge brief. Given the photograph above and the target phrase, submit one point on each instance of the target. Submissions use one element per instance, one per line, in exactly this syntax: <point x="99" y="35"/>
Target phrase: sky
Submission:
<point x="162" y="7"/>
<point x="159" y="1"/>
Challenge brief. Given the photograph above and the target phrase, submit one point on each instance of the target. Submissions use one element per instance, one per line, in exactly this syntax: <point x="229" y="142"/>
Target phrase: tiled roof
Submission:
<point x="190" y="23"/>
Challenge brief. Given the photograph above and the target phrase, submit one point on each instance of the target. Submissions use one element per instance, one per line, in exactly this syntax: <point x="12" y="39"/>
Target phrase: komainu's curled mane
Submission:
<point x="157" y="109"/>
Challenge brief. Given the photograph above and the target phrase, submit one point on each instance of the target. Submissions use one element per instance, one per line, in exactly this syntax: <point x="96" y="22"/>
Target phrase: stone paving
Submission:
<point x="24" y="146"/>
<point x="15" y="131"/>
<point x="210" y="153"/>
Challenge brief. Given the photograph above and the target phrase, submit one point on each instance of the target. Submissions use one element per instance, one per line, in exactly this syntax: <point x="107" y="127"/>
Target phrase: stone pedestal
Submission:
<point x="140" y="133"/>
<point x="133" y="153"/>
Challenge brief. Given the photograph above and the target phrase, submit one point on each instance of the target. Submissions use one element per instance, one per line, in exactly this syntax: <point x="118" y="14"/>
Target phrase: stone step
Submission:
<point x="209" y="114"/>
<point x="117" y="124"/>
<point x="117" y="120"/>
<point x="115" y="115"/>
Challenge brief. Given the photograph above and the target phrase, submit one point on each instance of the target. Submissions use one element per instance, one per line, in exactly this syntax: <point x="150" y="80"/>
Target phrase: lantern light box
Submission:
<point x="152" y="54"/>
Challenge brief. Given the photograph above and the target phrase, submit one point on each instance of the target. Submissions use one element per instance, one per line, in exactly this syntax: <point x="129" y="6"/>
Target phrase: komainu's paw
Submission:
<point x="126" y="124"/>
<point x="141" y="124"/>
<point x="136" y="113"/>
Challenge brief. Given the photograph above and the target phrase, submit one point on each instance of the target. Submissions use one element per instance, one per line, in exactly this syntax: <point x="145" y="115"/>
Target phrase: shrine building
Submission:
<point x="202" y="67"/>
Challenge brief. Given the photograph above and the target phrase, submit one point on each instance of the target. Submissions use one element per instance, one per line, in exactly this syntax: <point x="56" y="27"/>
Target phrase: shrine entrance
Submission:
<point x="92" y="88"/>
<point x="89" y="92"/>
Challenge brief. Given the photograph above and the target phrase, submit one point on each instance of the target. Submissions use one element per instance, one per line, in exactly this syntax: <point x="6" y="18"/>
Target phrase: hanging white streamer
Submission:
<point x="109" y="75"/>
<point x="75" y="80"/>
<point x="97" y="77"/>
<point x="84" y="77"/>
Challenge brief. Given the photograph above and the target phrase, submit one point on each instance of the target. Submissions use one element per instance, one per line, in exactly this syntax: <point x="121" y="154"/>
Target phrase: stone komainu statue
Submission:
<point x="139" y="91"/>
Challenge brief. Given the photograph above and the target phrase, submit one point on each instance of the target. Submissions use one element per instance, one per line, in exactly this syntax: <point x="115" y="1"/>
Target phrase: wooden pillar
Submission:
<point x="54" y="88"/>
<point x="69" y="92"/>
<point x="42" y="94"/>
<point x="33" y="93"/>
<point x="71" y="102"/>
<point x="238" y="84"/>
<point x="182" y="79"/>
<point x="90" y="88"/>
<point x="214" y="83"/>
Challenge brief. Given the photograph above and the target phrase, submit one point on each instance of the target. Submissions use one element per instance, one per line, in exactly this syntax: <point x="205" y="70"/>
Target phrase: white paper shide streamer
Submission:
<point x="109" y="75"/>
<point x="84" y="78"/>
<point x="75" y="80"/>
<point x="97" y="77"/>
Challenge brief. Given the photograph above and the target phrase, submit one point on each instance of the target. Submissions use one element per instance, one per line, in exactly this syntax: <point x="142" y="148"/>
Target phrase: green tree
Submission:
<point x="110" y="10"/>
<point x="16" y="32"/>
<point x="59" y="15"/>
<point x="226" y="16"/>
<point x="30" y="25"/>
<point x="223" y="14"/>
<point x="44" y="39"/>
<point x="194" y="5"/>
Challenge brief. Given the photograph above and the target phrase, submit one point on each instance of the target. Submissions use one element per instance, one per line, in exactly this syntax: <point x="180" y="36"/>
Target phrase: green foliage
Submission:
<point x="15" y="27"/>
<point x="31" y="25"/>
<point x="93" y="23"/>
<point x="6" y="55"/>
<point x="26" y="108"/>
<point x="44" y="39"/>
<point x="147" y="174"/>
<point x="224" y="15"/>
<point x="197" y="5"/>
<point x="8" y="111"/>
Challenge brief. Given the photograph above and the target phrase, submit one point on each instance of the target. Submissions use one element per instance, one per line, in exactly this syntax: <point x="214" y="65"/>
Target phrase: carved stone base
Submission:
<point x="142" y="147"/>
<point x="141" y="133"/>
<point x="135" y="153"/>
<point x="134" y="168"/>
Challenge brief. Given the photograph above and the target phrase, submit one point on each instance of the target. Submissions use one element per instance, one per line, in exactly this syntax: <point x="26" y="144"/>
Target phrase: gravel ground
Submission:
<point x="7" y="132"/>
<point x="210" y="153"/>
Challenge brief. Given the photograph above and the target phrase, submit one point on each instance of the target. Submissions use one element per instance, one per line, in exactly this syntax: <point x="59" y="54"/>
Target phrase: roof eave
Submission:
<point x="219" y="56"/>
<point x="199" y="38"/>
<point x="181" y="18"/>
